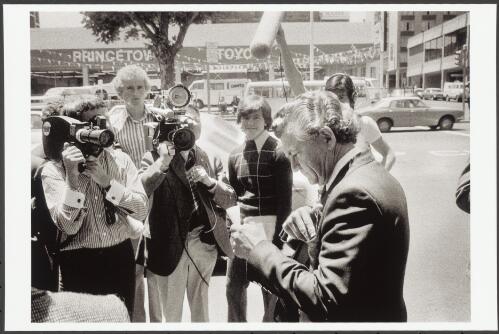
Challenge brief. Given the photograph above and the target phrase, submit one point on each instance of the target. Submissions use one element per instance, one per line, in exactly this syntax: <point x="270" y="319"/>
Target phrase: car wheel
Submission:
<point x="446" y="123"/>
<point x="433" y="127"/>
<point x="384" y="124"/>
<point x="199" y="104"/>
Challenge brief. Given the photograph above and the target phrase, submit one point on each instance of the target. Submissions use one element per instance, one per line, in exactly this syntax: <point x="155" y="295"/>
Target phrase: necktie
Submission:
<point x="251" y="146"/>
<point x="109" y="209"/>
<point x="191" y="160"/>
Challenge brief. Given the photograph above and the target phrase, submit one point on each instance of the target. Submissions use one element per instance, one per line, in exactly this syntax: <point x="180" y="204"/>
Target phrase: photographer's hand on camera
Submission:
<point x="96" y="172"/>
<point x="199" y="174"/>
<point x="71" y="158"/>
<point x="166" y="153"/>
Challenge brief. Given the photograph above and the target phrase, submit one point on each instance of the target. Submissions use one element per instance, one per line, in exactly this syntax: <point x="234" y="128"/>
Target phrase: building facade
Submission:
<point x="73" y="56"/>
<point x="431" y="60"/>
<point x="398" y="28"/>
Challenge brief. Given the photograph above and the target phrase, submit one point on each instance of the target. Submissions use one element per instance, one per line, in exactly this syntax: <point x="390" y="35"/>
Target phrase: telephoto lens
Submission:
<point x="183" y="139"/>
<point x="102" y="138"/>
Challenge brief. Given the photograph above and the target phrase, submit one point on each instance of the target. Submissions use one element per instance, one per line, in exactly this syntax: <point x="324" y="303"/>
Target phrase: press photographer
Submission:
<point x="187" y="218"/>
<point x="90" y="189"/>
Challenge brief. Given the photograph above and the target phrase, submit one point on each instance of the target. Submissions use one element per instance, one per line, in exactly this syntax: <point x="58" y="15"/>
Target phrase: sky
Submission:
<point x="73" y="19"/>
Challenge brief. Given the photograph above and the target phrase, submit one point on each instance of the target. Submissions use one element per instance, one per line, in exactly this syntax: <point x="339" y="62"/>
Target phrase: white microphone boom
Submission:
<point x="265" y="34"/>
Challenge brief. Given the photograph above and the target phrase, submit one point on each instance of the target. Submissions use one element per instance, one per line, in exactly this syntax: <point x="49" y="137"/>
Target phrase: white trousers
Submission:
<point x="185" y="278"/>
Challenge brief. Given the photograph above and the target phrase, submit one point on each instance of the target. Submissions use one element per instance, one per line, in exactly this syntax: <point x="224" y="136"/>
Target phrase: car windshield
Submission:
<point x="381" y="104"/>
<point x="64" y="91"/>
<point x="417" y="103"/>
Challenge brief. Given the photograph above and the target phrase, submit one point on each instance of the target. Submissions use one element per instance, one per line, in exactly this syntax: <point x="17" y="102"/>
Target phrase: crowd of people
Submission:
<point x="155" y="218"/>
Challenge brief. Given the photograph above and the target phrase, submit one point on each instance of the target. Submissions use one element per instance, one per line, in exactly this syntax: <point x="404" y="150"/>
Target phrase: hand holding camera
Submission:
<point x="166" y="151"/>
<point x="96" y="172"/>
<point x="72" y="157"/>
<point x="199" y="174"/>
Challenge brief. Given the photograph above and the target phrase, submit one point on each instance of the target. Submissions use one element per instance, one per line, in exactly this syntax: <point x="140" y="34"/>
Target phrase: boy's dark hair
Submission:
<point x="253" y="103"/>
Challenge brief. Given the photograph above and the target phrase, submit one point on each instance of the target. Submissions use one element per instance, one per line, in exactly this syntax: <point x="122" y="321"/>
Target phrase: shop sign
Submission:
<point x="112" y="55"/>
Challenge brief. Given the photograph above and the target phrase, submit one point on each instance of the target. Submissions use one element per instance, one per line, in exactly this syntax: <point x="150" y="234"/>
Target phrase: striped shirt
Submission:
<point x="129" y="132"/>
<point x="81" y="213"/>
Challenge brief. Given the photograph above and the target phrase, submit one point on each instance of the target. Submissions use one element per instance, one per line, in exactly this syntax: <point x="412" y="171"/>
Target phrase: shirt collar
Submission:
<point x="119" y="115"/>
<point x="340" y="164"/>
<point x="261" y="139"/>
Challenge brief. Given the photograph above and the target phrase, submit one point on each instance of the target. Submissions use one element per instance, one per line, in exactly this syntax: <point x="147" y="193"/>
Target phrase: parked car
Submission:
<point x="453" y="91"/>
<point x="419" y="92"/>
<point x="402" y="92"/>
<point x="410" y="111"/>
<point x="433" y="94"/>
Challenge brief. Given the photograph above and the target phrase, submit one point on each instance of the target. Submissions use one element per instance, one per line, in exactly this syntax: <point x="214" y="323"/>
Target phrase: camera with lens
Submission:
<point x="90" y="137"/>
<point x="174" y="129"/>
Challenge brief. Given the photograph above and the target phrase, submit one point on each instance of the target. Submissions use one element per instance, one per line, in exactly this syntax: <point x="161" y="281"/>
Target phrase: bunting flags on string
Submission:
<point x="353" y="56"/>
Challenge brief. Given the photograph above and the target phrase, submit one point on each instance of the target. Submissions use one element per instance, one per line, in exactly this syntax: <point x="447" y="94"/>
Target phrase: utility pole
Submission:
<point x="466" y="63"/>
<point x="311" y="45"/>
<point x="464" y="52"/>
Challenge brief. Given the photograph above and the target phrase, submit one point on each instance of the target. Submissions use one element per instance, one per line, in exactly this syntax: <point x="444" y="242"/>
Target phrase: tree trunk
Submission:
<point x="166" y="69"/>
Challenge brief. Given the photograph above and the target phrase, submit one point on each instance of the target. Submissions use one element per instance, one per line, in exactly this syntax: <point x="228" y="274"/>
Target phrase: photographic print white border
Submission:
<point x="483" y="220"/>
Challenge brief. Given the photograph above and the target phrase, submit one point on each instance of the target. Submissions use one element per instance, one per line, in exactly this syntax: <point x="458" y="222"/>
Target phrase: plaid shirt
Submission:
<point x="76" y="307"/>
<point x="82" y="213"/>
<point x="262" y="179"/>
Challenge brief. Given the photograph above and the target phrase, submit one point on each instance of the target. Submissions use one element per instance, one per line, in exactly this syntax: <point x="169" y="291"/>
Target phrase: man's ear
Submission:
<point x="328" y="136"/>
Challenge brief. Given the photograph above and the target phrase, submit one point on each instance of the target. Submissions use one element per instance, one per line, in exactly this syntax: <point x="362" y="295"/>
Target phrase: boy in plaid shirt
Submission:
<point x="261" y="176"/>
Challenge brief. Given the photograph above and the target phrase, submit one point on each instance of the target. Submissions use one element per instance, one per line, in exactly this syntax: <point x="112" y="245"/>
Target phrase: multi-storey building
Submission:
<point x="398" y="28"/>
<point x="431" y="60"/>
<point x="34" y="20"/>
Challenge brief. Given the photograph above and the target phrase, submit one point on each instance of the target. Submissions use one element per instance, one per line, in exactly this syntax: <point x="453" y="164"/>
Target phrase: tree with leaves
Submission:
<point x="154" y="27"/>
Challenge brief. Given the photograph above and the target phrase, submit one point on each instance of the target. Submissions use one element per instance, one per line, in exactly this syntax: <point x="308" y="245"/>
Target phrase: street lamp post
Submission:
<point x="311" y="45"/>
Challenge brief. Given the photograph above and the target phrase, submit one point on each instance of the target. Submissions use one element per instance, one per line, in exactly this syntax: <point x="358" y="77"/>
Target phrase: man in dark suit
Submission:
<point x="187" y="225"/>
<point x="358" y="245"/>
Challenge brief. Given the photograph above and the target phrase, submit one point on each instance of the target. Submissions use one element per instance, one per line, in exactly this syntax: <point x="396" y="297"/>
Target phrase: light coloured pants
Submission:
<point x="152" y="303"/>
<point x="185" y="278"/>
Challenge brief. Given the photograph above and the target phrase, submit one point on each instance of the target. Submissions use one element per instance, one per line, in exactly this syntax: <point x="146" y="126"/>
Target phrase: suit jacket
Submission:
<point x="172" y="207"/>
<point x="358" y="258"/>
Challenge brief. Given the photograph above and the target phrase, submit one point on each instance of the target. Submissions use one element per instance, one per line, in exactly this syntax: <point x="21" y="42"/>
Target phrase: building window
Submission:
<point x="433" y="49"/>
<point x="416" y="50"/>
<point x="454" y="41"/>
<point x="373" y="72"/>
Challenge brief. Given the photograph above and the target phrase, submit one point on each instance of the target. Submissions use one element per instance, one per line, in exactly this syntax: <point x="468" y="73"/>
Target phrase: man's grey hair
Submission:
<point x="305" y="116"/>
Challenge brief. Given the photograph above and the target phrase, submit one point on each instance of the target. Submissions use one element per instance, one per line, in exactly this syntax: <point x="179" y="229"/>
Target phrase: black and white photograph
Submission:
<point x="250" y="167"/>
